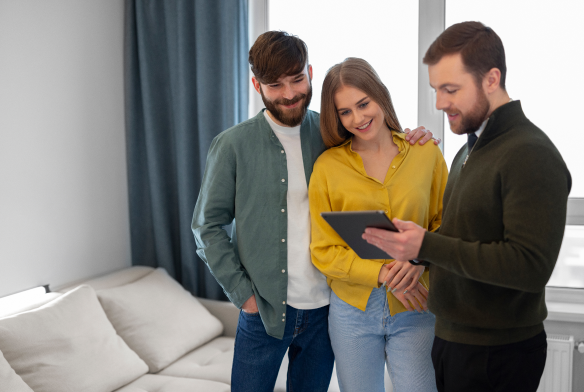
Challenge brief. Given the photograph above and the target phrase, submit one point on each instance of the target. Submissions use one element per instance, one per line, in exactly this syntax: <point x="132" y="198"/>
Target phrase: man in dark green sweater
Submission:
<point x="503" y="222"/>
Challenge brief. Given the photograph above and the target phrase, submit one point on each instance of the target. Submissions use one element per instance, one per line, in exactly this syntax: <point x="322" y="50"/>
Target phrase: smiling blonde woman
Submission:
<point x="370" y="166"/>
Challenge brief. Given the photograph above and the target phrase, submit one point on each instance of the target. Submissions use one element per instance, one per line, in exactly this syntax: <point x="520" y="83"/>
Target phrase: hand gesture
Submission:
<point x="416" y="298"/>
<point x="403" y="276"/>
<point x="420" y="133"/>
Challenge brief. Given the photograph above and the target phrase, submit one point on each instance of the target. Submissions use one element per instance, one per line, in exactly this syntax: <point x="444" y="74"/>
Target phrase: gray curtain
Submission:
<point x="186" y="81"/>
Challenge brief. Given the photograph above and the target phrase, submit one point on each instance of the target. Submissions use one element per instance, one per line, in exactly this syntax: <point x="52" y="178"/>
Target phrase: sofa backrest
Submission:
<point x="113" y="279"/>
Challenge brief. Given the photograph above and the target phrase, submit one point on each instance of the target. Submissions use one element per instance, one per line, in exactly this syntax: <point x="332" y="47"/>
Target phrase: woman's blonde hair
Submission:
<point x="356" y="73"/>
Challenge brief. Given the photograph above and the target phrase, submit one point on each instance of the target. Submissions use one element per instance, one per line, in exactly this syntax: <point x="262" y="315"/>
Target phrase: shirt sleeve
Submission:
<point x="215" y="209"/>
<point x="330" y="254"/>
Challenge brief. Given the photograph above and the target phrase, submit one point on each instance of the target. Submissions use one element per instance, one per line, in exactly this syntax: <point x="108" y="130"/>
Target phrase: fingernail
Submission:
<point x="405" y="292"/>
<point x="384" y="284"/>
<point x="393" y="290"/>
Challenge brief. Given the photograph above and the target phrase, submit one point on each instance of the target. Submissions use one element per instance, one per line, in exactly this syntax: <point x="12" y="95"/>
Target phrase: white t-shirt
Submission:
<point x="307" y="288"/>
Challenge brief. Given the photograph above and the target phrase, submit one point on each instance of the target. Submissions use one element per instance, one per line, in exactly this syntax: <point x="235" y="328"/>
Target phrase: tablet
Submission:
<point x="351" y="225"/>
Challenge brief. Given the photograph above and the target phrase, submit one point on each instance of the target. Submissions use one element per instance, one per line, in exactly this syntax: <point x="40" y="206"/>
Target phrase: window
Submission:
<point x="544" y="52"/>
<point x="569" y="271"/>
<point x="385" y="33"/>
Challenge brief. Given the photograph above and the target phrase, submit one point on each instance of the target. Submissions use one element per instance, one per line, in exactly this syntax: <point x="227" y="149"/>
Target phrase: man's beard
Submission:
<point x="289" y="117"/>
<point x="472" y="121"/>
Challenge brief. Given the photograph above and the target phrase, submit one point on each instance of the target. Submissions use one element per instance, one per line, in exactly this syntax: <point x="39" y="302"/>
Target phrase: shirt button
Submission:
<point x="282" y="151"/>
<point x="283" y="271"/>
<point x="283" y="180"/>
<point x="283" y="314"/>
<point x="386" y="211"/>
<point x="283" y="302"/>
<point x="283" y="210"/>
<point x="393" y="167"/>
<point x="283" y="240"/>
<point x="282" y="319"/>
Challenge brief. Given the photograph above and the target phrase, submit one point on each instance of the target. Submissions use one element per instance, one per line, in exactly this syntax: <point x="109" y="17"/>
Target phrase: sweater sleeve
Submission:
<point x="534" y="188"/>
<point x="330" y="254"/>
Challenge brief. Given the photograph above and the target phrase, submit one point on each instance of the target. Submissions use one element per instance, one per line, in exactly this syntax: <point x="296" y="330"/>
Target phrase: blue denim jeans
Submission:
<point x="364" y="341"/>
<point x="258" y="356"/>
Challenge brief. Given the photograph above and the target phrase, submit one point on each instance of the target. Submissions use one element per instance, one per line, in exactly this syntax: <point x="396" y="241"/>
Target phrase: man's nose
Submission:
<point x="288" y="92"/>
<point x="441" y="101"/>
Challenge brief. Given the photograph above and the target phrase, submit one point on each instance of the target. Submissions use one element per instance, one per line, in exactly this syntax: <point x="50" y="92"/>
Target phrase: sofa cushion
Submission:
<point x="156" y="383"/>
<point x="68" y="345"/>
<point x="211" y="361"/>
<point x="9" y="380"/>
<point x="159" y="319"/>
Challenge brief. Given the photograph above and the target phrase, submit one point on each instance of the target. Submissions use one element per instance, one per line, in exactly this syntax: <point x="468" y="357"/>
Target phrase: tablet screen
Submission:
<point x="351" y="225"/>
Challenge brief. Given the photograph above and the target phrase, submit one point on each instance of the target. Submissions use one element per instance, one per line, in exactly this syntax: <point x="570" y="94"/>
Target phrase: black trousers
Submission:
<point x="515" y="367"/>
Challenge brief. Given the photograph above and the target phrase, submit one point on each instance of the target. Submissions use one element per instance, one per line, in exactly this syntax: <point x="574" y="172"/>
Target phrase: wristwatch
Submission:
<point x="419" y="262"/>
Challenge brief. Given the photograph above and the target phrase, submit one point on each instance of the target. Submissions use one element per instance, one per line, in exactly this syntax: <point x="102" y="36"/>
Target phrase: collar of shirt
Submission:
<point x="399" y="138"/>
<point x="357" y="163"/>
<point x="481" y="128"/>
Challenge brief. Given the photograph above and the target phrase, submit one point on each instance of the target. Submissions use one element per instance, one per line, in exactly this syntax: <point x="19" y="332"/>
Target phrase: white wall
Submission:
<point x="63" y="186"/>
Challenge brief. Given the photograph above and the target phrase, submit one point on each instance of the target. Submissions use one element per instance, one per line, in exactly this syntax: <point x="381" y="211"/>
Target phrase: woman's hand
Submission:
<point x="403" y="276"/>
<point x="416" y="297"/>
<point x="383" y="273"/>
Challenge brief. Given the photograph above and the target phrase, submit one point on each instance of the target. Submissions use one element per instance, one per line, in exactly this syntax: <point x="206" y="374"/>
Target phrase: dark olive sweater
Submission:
<point x="503" y="222"/>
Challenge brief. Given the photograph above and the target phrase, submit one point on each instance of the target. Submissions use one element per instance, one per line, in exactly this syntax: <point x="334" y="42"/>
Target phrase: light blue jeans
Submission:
<point x="364" y="341"/>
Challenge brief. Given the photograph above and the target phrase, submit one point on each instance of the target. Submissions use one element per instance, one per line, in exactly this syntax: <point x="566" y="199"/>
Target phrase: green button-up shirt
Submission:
<point x="246" y="182"/>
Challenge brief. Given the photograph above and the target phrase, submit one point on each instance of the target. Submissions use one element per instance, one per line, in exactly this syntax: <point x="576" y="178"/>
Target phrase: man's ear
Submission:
<point x="256" y="83"/>
<point x="310" y="71"/>
<point x="492" y="80"/>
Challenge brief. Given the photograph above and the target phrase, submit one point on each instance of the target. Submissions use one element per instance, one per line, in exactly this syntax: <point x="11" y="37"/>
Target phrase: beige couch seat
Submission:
<point x="211" y="361"/>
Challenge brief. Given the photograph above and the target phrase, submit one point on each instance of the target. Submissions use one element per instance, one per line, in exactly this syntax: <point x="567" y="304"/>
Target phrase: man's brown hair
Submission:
<point x="356" y="73"/>
<point x="480" y="47"/>
<point x="277" y="53"/>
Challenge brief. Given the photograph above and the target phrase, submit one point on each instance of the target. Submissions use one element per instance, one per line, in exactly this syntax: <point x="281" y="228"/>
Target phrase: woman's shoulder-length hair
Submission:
<point x="358" y="73"/>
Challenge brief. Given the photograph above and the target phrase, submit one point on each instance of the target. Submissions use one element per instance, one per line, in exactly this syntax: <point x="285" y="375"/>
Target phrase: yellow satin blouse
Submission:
<point x="412" y="190"/>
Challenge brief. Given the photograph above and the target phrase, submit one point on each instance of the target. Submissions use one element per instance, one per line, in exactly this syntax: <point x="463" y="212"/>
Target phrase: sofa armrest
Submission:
<point x="225" y="311"/>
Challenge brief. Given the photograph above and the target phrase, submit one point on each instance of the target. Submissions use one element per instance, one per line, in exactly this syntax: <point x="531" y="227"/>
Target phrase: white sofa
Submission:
<point x="135" y="330"/>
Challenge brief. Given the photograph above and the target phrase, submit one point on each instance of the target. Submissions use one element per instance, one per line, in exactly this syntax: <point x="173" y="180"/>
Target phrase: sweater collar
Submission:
<point x="501" y="121"/>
